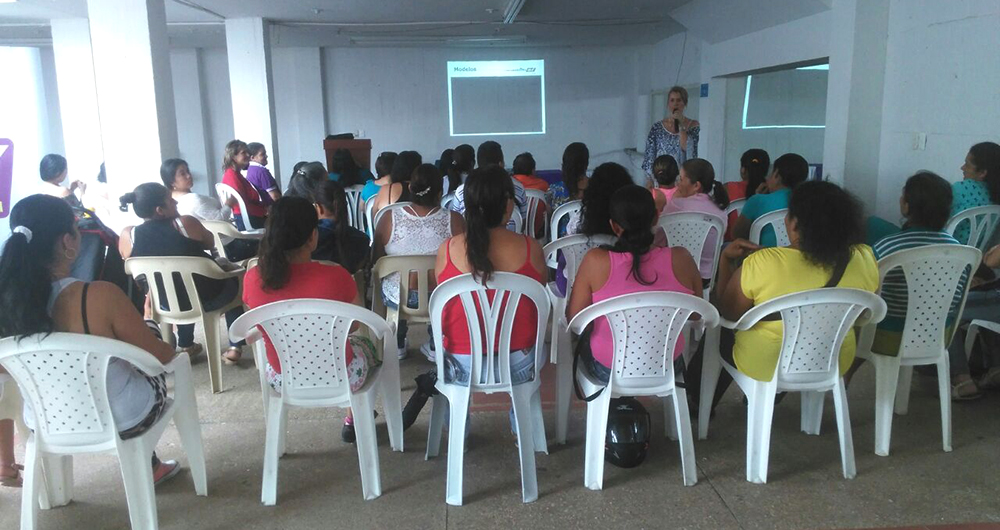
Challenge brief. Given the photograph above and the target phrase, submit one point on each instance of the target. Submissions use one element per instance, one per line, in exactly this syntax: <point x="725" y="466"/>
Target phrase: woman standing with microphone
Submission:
<point x="674" y="135"/>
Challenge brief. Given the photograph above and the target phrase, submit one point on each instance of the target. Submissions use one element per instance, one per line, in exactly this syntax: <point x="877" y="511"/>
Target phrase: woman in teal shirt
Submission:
<point x="789" y="171"/>
<point x="980" y="184"/>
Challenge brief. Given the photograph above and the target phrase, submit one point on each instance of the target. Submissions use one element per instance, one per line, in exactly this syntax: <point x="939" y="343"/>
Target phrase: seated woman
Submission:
<point x="632" y="265"/>
<point x="236" y="159"/>
<point x="383" y="166"/>
<point x="339" y="242"/>
<point x="259" y="176"/>
<point x="286" y="272"/>
<point x="595" y="216"/>
<point x="463" y="161"/>
<point x="790" y="170"/>
<point x="696" y="183"/>
<point x="980" y="184"/>
<point x="754" y="165"/>
<point x="52" y="169"/>
<point x="487" y="247"/>
<point x="37" y="295"/>
<point x="665" y="173"/>
<point x="398" y="190"/>
<point x="826" y="231"/>
<point x="306" y="179"/>
<point x="575" y="160"/>
<point x="345" y="171"/>
<point x="166" y="233"/>
<point x="417" y="229"/>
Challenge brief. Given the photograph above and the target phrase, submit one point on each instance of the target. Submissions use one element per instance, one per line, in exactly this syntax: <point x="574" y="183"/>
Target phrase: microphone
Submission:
<point x="677" y="125"/>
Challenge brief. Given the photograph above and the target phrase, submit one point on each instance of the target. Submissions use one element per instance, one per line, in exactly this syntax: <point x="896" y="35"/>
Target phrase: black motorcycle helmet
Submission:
<point x="628" y="432"/>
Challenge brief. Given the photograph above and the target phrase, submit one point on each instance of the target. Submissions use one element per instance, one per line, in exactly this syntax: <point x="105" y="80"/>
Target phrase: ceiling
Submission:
<point x="200" y="23"/>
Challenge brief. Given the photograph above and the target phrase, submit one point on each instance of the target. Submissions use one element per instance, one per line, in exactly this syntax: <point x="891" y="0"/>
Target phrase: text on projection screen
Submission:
<point x="492" y="98"/>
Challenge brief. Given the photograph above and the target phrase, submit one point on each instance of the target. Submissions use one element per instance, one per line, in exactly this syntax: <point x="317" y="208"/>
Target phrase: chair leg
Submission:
<point x="538" y="423"/>
<point x="710" y="369"/>
<point x="283" y="432"/>
<point x="944" y="393"/>
<point x="167" y="332"/>
<point x="213" y="350"/>
<point x="58" y="479"/>
<point x="269" y="483"/>
<point x="439" y="410"/>
<point x="903" y="390"/>
<point x="459" y="415"/>
<point x="364" y="424"/>
<point x="597" y="426"/>
<point x="766" y="404"/>
<point x="521" y="397"/>
<point x="669" y="421"/>
<point x="138" y="477"/>
<point x="812" y="412"/>
<point x="564" y="383"/>
<point x="886" y="379"/>
<point x="189" y="430"/>
<point x="844" y="429"/>
<point x="682" y="420"/>
<point x="32" y="487"/>
<point x="392" y="401"/>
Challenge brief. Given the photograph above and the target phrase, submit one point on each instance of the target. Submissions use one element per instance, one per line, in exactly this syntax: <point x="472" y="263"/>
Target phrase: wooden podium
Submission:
<point x="361" y="150"/>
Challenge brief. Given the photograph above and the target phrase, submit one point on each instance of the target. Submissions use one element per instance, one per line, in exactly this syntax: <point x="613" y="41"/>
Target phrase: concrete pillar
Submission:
<point x="854" y="96"/>
<point x="248" y="43"/>
<point x="712" y="114"/>
<point x="134" y="89"/>
<point x="299" y="103"/>
<point x="192" y="117"/>
<point x="81" y="121"/>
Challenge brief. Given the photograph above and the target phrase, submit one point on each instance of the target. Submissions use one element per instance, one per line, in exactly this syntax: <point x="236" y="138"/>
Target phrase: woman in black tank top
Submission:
<point x="165" y="233"/>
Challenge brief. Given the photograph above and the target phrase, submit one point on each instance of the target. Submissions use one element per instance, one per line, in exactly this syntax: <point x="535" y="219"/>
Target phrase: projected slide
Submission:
<point x="493" y="98"/>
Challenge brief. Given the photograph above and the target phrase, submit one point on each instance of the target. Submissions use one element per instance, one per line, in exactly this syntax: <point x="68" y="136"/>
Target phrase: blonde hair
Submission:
<point x="232" y="149"/>
<point x="679" y="90"/>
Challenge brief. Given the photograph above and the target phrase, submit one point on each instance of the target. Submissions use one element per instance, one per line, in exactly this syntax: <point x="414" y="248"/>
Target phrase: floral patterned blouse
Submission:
<point x="663" y="142"/>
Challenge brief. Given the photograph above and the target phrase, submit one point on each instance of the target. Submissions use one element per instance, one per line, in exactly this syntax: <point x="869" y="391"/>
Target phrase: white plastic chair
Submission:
<point x="490" y="371"/>
<point x="403" y="265"/>
<point x="315" y="376"/>
<point x="158" y="269"/>
<point x="815" y="325"/>
<point x="735" y="206"/>
<point x="225" y="229"/>
<point x="559" y="214"/>
<point x="447" y="200"/>
<point x="536" y="200"/>
<point x="355" y="206"/>
<point x="385" y="211"/>
<point x="516" y="220"/>
<point x="933" y="274"/>
<point x="645" y="328"/>
<point x="64" y="377"/>
<point x="573" y="248"/>
<point x="690" y="230"/>
<point x="225" y="191"/>
<point x="776" y="220"/>
<point x="982" y="222"/>
<point x="369" y="222"/>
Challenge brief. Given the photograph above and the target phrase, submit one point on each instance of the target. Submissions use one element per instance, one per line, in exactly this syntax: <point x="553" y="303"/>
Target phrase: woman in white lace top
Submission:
<point x="418" y="228"/>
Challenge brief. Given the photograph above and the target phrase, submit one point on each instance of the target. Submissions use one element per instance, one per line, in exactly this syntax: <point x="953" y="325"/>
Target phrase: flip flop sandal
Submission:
<point x="192" y="350"/>
<point x="170" y="474"/>
<point x="957" y="395"/>
<point x="226" y="359"/>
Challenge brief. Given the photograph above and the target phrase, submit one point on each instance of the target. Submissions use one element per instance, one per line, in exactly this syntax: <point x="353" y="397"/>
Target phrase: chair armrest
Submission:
<point x="181" y="362"/>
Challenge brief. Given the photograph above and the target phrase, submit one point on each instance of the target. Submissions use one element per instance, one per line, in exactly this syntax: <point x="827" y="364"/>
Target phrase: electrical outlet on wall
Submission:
<point x="919" y="141"/>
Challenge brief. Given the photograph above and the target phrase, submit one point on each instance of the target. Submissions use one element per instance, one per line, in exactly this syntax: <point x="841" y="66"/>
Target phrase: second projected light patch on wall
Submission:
<point x="493" y="98"/>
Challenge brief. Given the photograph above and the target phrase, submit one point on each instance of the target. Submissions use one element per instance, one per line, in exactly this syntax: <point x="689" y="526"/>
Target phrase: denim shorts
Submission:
<point x="457" y="368"/>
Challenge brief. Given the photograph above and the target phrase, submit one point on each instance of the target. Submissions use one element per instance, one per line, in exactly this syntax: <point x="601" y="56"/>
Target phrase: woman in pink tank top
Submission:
<point x="633" y="265"/>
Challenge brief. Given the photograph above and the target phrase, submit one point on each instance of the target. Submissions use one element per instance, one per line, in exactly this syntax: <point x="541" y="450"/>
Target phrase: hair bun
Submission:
<point x="125" y="200"/>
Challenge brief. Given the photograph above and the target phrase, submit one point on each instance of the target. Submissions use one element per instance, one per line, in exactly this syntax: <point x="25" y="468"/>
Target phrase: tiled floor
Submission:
<point x="918" y="486"/>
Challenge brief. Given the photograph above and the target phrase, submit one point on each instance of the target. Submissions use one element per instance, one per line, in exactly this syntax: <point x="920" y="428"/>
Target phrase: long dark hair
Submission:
<point x="26" y="266"/>
<point x="426" y="185"/>
<point x="829" y="221"/>
<point x="383" y="164"/>
<point x="306" y="179"/>
<point x="575" y="160"/>
<point x="757" y="163"/>
<point x="332" y="197"/>
<point x="168" y="171"/>
<point x="701" y="171"/>
<point x="633" y="209"/>
<point x="403" y="166"/>
<point x="145" y="199"/>
<point x="486" y="193"/>
<point x="463" y="159"/>
<point x="986" y="157"/>
<point x="792" y="169"/>
<point x="608" y="178"/>
<point x="344" y="165"/>
<point x="290" y="224"/>
<point x="928" y="201"/>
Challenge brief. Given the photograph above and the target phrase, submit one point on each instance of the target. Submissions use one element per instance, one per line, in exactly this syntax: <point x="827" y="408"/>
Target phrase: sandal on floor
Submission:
<point x="232" y="355"/>
<point x="175" y="468"/>
<point x="957" y="394"/>
<point x="991" y="380"/>
<point x="14" y="481"/>
<point x="192" y="350"/>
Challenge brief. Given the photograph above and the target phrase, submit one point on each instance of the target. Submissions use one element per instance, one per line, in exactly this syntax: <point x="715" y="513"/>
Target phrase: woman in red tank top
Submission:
<point x="485" y="248"/>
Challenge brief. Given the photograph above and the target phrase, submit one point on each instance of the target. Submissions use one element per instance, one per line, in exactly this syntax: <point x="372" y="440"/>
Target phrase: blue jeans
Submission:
<point x="457" y="368"/>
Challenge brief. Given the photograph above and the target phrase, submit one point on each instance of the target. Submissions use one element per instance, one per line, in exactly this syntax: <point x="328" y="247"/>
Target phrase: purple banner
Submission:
<point x="6" y="174"/>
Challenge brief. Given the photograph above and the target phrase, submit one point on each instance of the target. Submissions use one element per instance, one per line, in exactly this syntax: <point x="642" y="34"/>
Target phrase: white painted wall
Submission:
<point x="942" y="78"/>
<point x="299" y="106"/>
<point x="80" y="119"/>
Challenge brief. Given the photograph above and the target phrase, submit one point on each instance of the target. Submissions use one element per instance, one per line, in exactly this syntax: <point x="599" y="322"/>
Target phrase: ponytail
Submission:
<point x="701" y="171"/>
<point x="290" y="224"/>
<point x="633" y="209"/>
<point x="39" y="221"/>
<point x="719" y="195"/>
<point x="487" y="191"/>
<point x="146" y="198"/>
<point x="332" y="197"/>
<point x="575" y="160"/>
<point x="757" y="163"/>
<point x="426" y="185"/>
